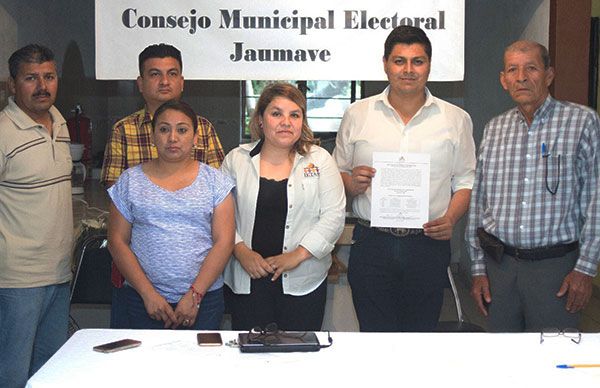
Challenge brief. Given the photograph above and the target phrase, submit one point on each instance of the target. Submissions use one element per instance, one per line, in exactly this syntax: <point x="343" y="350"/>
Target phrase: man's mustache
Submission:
<point x="41" y="93"/>
<point x="412" y="76"/>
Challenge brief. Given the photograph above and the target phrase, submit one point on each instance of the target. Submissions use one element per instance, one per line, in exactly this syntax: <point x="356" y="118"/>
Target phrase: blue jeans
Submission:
<point x="33" y="326"/>
<point x="397" y="282"/>
<point x="209" y="317"/>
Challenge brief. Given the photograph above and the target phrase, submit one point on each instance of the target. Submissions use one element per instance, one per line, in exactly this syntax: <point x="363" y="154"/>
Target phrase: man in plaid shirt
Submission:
<point x="534" y="214"/>
<point x="130" y="143"/>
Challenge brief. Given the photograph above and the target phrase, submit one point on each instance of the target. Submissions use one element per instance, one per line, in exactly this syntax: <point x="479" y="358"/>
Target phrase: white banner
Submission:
<point x="276" y="39"/>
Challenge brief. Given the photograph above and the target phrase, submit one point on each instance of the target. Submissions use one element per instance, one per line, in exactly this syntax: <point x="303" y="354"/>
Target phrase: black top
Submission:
<point x="269" y="220"/>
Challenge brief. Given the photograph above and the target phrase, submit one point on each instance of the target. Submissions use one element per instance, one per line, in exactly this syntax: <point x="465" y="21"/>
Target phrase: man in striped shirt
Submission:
<point x="130" y="143"/>
<point x="534" y="213"/>
<point x="36" y="222"/>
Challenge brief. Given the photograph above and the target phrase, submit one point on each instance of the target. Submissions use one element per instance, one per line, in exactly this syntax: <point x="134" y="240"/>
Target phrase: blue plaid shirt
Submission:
<point x="519" y="166"/>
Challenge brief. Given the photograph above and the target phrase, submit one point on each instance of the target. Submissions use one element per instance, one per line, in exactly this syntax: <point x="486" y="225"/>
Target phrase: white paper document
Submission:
<point x="400" y="190"/>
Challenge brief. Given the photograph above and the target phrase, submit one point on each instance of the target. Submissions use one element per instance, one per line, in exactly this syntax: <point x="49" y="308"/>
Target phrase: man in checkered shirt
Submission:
<point x="534" y="214"/>
<point x="130" y="143"/>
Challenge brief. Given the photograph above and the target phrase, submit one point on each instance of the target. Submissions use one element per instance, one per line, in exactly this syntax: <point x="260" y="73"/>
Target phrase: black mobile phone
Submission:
<point x="117" y="345"/>
<point x="210" y="339"/>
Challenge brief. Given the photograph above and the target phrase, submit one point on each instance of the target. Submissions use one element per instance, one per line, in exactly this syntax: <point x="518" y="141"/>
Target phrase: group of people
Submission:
<point x="192" y="231"/>
<point x="277" y="205"/>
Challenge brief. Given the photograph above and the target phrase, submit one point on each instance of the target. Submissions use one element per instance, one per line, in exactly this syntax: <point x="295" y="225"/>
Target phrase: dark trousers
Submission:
<point x="118" y="309"/>
<point x="267" y="303"/>
<point x="524" y="294"/>
<point x="397" y="282"/>
<point x="209" y="316"/>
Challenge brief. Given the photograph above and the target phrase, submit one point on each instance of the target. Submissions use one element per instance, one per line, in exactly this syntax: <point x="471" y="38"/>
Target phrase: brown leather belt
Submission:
<point x="398" y="232"/>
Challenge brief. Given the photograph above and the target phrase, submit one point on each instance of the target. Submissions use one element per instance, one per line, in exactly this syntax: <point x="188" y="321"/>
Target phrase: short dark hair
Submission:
<point x="406" y="35"/>
<point x="161" y="50"/>
<point x="179" y="106"/>
<point x="32" y="53"/>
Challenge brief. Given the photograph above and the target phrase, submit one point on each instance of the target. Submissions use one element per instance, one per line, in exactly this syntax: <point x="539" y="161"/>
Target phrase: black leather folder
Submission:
<point x="282" y="341"/>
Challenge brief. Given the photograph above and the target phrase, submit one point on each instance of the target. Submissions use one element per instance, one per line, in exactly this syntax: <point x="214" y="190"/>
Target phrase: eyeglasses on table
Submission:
<point x="573" y="334"/>
<point x="271" y="334"/>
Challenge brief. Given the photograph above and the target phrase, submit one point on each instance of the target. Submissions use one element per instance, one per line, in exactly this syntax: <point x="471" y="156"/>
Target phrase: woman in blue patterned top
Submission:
<point x="172" y="229"/>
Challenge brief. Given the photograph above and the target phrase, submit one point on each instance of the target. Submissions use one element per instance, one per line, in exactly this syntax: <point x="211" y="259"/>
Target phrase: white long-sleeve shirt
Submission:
<point x="315" y="218"/>
<point x="439" y="129"/>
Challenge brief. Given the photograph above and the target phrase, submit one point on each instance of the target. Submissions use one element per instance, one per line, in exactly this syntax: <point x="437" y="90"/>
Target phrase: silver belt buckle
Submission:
<point x="399" y="232"/>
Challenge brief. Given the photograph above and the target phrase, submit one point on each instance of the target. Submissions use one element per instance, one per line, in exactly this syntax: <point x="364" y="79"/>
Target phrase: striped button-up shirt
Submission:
<point x="518" y="170"/>
<point x="130" y="144"/>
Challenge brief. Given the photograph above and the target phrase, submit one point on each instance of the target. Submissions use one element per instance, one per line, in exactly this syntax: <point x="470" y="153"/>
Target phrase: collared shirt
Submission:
<point x="315" y="217"/>
<point x="440" y="129"/>
<point x="130" y="144"/>
<point x="519" y="166"/>
<point x="36" y="222"/>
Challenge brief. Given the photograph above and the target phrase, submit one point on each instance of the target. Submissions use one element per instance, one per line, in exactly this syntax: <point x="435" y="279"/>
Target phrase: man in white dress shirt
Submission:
<point x="397" y="275"/>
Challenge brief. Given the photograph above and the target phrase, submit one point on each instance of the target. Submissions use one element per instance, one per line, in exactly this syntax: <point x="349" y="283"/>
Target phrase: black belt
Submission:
<point x="541" y="253"/>
<point x="494" y="248"/>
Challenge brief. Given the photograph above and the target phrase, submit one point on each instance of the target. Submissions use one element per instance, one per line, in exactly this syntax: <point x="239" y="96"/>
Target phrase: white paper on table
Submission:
<point x="400" y="190"/>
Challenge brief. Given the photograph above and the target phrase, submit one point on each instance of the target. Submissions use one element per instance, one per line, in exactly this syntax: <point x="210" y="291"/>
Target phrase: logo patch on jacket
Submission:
<point x="311" y="170"/>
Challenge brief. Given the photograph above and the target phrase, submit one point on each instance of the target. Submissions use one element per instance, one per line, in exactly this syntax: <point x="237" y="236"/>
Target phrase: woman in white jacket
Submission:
<point x="290" y="209"/>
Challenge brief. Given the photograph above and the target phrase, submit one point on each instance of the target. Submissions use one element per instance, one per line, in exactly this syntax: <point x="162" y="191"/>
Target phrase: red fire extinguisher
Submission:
<point x="80" y="131"/>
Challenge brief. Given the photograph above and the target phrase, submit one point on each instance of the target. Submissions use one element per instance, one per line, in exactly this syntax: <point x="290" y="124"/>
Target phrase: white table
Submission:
<point x="172" y="359"/>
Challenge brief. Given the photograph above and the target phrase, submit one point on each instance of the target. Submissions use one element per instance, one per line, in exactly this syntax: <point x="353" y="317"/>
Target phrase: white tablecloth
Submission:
<point x="172" y="358"/>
